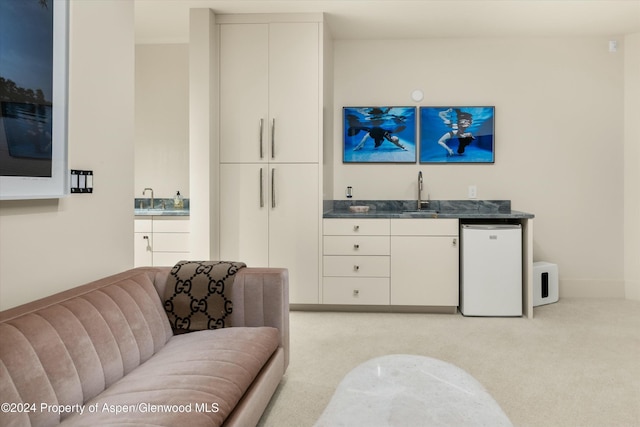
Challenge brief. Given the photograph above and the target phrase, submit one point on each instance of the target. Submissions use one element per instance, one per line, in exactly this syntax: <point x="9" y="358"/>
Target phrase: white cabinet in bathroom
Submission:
<point x="161" y="240"/>
<point x="424" y="262"/>
<point x="270" y="146"/>
<point x="142" y="242"/>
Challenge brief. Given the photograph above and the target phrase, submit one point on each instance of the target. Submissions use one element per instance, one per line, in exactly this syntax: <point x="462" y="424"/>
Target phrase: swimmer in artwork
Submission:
<point x="377" y="133"/>
<point x="457" y="132"/>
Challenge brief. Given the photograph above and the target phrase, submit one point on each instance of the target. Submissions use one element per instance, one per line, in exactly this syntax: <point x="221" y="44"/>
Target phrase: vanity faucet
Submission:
<point x="143" y="193"/>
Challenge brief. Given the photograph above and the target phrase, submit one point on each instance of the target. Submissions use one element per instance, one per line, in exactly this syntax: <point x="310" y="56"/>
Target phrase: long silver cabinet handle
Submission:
<point x="273" y="138"/>
<point x="273" y="187"/>
<point x="260" y="128"/>
<point x="261" y="189"/>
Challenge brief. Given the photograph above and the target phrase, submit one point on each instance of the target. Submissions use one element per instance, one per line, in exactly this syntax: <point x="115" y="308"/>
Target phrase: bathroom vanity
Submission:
<point x="396" y="257"/>
<point x="161" y="233"/>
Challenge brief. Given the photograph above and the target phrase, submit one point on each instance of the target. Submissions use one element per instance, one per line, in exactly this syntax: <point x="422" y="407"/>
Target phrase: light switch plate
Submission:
<point x="81" y="181"/>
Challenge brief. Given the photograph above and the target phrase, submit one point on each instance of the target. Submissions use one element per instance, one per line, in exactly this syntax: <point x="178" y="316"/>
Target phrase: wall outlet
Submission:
<point x="472" y="192"/>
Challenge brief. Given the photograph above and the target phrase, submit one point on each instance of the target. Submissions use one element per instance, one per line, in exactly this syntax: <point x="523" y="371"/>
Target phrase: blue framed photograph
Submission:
<point x="379" y="135"/>
<point x="457" y="135"/>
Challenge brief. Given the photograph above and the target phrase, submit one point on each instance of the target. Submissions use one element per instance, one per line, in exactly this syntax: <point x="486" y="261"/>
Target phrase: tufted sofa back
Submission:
<point x="66" y="349"/>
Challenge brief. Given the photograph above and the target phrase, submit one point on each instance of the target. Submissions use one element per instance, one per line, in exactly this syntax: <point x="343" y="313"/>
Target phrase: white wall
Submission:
<point x="51" y="245"/>
<point x="162" y="119"/>
<point x="559" y="137"/>
<point x="632" y="166"/>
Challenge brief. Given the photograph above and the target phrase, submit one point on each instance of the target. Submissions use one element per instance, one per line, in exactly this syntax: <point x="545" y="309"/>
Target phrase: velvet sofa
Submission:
<point x="105" y="354"/>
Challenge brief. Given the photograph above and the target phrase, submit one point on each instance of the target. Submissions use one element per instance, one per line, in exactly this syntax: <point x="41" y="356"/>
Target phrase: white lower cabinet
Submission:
<point x="424" y="262"/>
<point x="269" y="218"/>
<point x="404" y="262"/>
<point x="161" y="241"/>
<point x="356" y="261"/>
<point x="244" y="214"/>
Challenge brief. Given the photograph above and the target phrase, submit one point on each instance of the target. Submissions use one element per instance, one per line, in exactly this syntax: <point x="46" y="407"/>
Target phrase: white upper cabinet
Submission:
<point x="244" y="92"/>
<point x="294" y="92"/>
<point x="269" y="93"/>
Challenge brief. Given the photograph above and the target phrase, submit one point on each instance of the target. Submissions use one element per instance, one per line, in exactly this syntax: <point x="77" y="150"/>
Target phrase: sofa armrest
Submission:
<point x="261" y="298"/>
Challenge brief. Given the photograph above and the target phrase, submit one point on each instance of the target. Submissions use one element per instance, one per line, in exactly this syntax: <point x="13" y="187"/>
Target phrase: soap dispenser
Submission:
<point x="177" y="201"/>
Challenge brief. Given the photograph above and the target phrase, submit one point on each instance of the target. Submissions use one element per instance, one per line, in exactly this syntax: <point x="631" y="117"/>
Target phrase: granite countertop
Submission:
<point x="464" y="209"/>
<point x="161" y="212"/>
<point x="161" y="207"/>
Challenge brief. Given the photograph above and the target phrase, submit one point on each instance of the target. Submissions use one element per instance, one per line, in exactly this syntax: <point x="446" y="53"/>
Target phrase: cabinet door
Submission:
<point x="171" y="224"/>
<point x="424" y="270"/>
<point x="243" y="218"/>
<point x="169" y="259"/>
<point x="243" y="92"/>
<point x="171" y="242"/>
<point x="142" y="252"/>
<point x="294" y="92"/>
<point x="294" y="228"/>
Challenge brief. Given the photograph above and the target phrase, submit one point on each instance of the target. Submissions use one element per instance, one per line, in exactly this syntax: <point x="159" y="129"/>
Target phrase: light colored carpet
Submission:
<point x="577" y="363"/>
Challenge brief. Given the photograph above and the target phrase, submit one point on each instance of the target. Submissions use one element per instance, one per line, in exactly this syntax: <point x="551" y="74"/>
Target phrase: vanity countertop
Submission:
<point x="161" y="212"/>
<point x="161" y="207"/>
<point x="462" y="209"/>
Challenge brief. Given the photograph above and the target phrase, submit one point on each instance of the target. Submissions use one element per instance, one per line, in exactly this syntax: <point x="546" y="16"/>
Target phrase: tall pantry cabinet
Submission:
<point x="271" y="145"/>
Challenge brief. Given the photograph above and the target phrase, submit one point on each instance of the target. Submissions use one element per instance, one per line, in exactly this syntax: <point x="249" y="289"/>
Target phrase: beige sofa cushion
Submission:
<point x="202" y="374"/>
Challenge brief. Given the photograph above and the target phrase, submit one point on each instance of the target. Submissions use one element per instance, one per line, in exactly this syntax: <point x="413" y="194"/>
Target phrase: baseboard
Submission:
<point x="582" y="288"/>
<point x="375" y="308"/>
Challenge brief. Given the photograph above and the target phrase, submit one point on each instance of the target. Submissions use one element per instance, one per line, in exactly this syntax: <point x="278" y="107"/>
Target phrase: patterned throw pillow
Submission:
<point x="195" y="297"/>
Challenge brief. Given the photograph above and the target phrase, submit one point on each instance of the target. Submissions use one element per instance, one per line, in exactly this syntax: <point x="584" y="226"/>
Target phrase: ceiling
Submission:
<point x="166" y="21"/>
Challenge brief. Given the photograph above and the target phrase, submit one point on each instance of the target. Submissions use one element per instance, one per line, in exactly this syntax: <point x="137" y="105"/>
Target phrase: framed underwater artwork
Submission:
<point x="33" y="99"/>
<point x="457" y="135"/>
<point x="379" y="135"/>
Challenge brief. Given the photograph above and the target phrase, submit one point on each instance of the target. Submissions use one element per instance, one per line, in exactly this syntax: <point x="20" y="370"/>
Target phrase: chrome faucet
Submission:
<point x="143" y="193"/>
<point x="420" y="190"/>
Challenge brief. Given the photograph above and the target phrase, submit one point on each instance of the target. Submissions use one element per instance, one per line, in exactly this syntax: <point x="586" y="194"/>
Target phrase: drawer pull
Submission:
<point x="356" y="267"/>
<point x="356" y="228"/>
<point x="356" y="292"/>
<point x="455" y="242"/>
<point x="356" y="246"/>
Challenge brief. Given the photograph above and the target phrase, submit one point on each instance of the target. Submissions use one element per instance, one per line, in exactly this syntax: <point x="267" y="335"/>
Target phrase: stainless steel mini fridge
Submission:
<point x="491" y="270"/>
